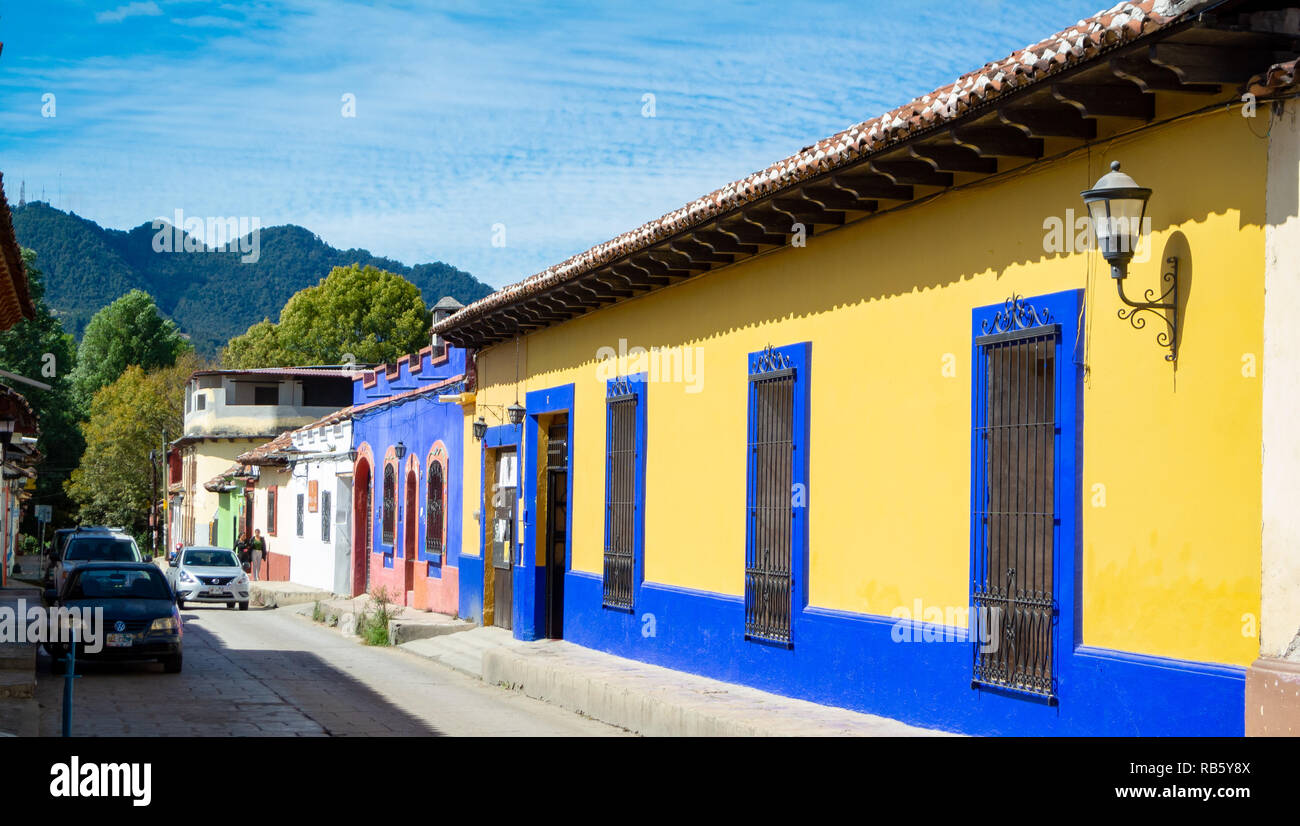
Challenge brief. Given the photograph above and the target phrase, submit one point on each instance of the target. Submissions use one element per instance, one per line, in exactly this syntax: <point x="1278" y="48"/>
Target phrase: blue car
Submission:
<point x="140" y="616"/>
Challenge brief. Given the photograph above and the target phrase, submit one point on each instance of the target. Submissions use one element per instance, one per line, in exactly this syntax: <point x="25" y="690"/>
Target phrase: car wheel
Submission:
<point x="172" y="665"/>
<point x="180" y="603"/>
<point x="243" y="606"/>
<point x="230" y="605"/>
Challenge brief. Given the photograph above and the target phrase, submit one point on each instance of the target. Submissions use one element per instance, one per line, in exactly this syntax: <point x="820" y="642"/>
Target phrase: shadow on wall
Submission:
<point x="988" y="229"/>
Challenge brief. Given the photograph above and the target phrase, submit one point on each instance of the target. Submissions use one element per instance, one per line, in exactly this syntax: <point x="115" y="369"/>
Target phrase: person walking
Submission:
<point x="257" y="546"/>
<point x="241" y="551"/>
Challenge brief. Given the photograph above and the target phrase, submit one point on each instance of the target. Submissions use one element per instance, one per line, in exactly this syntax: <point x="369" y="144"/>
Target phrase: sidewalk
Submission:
<point x="641" y="698"/>
<point x="19" y="711"/>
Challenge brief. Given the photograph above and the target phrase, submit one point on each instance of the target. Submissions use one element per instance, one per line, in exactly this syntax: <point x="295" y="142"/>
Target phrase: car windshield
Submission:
<point x="101" y="549"/>
<point x="211" y="559"/>
<point x="117" y="583"/>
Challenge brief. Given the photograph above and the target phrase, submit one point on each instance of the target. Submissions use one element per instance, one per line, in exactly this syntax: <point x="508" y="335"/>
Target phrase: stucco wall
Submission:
<point x="1280" y="621"/>
<point x="1169" y="556"/>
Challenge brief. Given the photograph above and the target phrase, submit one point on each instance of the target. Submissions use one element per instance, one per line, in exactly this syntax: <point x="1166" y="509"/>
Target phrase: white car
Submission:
<point x="203" y="574"/>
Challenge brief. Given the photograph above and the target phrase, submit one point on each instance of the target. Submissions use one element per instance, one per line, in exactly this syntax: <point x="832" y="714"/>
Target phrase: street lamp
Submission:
<point x="480" y="428"/>
<point x="516" y="413"/>
<point x="1117" y="208"/>
<point x="399" y="450"/>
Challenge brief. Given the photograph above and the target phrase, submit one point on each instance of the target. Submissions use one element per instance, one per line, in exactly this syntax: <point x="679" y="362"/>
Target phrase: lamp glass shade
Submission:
<point x="516" y="413"/>
<point x="1117" y="205"/>
<point x="399" y="450"/>
<point x="480" y="428"/>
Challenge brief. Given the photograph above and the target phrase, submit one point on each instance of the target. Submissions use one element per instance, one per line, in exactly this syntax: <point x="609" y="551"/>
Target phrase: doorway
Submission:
<point x="502" y="500"/>
<point x="555" y="525"/>
<point x="408" y="535"/>
<point x="363" y="528"/>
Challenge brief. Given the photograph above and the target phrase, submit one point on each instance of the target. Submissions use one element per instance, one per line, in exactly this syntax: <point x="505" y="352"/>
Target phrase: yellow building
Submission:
<point x="875" y="427"/>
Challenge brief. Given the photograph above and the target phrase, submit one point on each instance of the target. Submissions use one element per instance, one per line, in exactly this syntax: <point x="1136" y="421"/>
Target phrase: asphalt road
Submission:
<point x="268" y="673"/>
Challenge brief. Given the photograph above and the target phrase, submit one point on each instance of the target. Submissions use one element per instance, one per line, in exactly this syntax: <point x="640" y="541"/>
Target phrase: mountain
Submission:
<point x="211" y="295"/>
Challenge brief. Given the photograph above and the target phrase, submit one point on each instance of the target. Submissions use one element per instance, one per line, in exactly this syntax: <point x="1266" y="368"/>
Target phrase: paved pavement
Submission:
<point x="264" y="672"/>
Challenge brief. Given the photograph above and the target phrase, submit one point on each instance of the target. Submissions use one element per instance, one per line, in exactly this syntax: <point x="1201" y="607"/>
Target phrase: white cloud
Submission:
<point x="117" y="15"/>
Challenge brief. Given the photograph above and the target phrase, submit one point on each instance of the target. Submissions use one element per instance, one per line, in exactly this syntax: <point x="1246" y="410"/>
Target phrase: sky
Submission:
<point x="500" y="138"/>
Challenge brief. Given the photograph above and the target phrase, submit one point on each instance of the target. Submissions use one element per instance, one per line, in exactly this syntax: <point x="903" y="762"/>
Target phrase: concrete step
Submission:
<point x="17" y="657"/>
<point x="462" y="651"/>
<point x="17" y="683"/>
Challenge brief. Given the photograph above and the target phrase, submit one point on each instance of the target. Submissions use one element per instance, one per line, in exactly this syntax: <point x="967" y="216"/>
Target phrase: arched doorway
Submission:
<point x="362" y="527"/>
<point x="408" y="533"/>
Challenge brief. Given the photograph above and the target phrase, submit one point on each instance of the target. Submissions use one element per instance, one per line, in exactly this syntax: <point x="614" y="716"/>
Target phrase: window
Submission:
<point x="331" y="393"/>
<point x="389" y="525"/>
<point x="1015" y="520"/>
<point x="270" y="510"/>
<point x="325" y="515"/>
<point x="200" y="401"/>
<point x="302" y="507"/>
<point x="624" y="493"/>
<point x="433" y="514"/>
<point x="266" y="395"/>
<point x="769" y="581"/>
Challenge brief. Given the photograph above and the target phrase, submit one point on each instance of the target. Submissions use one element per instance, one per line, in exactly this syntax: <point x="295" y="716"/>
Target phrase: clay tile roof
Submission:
<point x="15" y="300"/>
<point x="13" y="405"/>
<point x="1081" y="42"/>
<point x="264" y="454"/>
<point x="219" y="481"/>
<point x="342" y="372"/>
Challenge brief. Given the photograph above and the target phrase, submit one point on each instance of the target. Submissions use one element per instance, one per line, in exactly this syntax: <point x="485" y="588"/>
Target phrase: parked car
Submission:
<point x="141" y="621"/>
<point x="94" y="545"/>
<point x="55" y="552"/>
<point x="205" y="574"/>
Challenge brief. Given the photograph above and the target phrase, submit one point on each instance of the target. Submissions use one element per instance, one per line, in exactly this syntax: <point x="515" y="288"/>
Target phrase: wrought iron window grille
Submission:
<point x="621" y="505"/>
<point x="769" y="581"/>
<point x="1015" y="521"/>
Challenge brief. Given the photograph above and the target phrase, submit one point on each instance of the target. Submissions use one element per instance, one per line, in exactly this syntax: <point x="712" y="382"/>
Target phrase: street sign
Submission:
<point x="44" y="513"/>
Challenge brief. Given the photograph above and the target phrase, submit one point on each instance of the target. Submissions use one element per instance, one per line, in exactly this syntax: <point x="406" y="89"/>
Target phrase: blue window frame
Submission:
<point x="625" y="436"/>
<point x="776" y="500"/>
<point x="1024" y="500"/>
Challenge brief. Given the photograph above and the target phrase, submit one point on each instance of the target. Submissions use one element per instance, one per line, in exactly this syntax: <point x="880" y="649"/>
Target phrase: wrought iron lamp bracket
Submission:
<point x="1165" y="308"/>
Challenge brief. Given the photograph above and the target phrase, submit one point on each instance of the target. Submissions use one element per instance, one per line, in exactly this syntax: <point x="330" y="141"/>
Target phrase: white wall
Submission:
<point x="1280" y="622"/>
<point x="315" y="561"/>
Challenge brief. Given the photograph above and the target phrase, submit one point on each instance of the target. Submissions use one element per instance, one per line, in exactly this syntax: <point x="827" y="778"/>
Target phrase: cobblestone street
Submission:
<point x="266" y="673"/>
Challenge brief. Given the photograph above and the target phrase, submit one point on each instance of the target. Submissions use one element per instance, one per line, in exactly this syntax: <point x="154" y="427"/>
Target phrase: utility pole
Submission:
<point x="166" y="511"/>
<point x="153" y="502"/>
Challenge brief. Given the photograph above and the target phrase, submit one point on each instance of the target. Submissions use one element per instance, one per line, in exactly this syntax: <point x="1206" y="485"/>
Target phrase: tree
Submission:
<point x="130" y="331"/>
<point x="39" y="349"/>
<point x="371" y="314"/>
<point x="113" y="484"/>
<point x="259" y="347"/>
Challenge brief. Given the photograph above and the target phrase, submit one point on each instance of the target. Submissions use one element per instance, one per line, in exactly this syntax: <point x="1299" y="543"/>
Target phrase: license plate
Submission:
<point x="119" y="640"/>
<point x="215" y="592"/>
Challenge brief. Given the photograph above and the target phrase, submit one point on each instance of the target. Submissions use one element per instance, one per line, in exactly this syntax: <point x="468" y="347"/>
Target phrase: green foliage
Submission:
<point x="372" y="626"/>
<point x="211" y="295"/>
<point x="113" y="484"/>
<point x="375" y="315"/>
<point x="128" y="332"/>
<point x="39" y="349"/>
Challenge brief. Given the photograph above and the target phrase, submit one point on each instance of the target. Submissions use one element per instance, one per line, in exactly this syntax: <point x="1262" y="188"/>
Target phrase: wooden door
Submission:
<point x="504" y="499"/>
